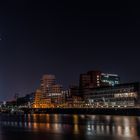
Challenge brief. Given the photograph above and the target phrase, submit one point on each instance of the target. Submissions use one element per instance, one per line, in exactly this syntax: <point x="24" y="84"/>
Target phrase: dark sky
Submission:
<point x="66" y="39"/>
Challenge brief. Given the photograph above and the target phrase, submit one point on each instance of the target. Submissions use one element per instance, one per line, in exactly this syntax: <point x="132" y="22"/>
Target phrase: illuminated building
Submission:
<point x="40" y="102"/>
<point x="50" y="94"/>
<point x="94" y="79"/>
<point x="51" y="90"/>
<point x="77" y="101"/>
<point x="109" y="79"/>
<point x="37" y="98"/>
<point x="47" y="82"/>
<point x="48" y="85"/>
<point x="91" y="78"/>
<point x="56" y="88"/>
<point x="98" y="79"/>
<point x="121" y="95"/>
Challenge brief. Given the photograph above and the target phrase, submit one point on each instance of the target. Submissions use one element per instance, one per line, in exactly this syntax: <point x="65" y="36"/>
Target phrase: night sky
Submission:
<point x="66" y="39"/>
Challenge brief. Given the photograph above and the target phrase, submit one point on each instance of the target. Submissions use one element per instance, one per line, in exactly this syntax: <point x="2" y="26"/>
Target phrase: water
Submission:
<point x="69" y="127"/>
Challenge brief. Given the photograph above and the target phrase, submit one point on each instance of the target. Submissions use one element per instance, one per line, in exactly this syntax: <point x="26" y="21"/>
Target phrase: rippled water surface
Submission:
<point x="68" y="127"/>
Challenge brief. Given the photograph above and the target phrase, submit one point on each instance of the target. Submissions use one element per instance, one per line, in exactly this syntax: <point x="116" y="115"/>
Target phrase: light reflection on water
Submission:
<point x="84" y="125"/>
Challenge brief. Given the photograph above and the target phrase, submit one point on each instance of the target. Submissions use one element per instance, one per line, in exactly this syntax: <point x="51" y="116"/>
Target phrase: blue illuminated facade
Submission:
<point x="110" y="79"/>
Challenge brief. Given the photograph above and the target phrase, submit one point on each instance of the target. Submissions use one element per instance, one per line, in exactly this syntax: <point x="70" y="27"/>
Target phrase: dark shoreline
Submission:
<point x="92" y="111"/>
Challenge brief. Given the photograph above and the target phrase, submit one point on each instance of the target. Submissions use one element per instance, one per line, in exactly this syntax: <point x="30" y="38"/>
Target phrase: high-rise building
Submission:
<point x="47" y="82"/>
<point x="56" y="88"/>
<point x="90" y="79"/>
<point x="95" y="79"/>
<point x="51" y="90"/>
<point x="84" y="80"/>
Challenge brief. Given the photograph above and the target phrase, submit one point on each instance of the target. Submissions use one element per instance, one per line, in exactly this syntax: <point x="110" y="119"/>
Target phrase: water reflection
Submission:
<point x="115" y="126"/>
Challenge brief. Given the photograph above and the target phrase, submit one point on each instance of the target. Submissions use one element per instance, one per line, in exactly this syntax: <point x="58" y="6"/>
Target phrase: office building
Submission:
<point x="90" y="79"/>
<point x="41" y="102"/>
<point x="121" y="95"/>
<point x="98" y="79"/>
<point x="47" y="82"/>
<point x="109" y="79"/>
<point x="51" y="90"/>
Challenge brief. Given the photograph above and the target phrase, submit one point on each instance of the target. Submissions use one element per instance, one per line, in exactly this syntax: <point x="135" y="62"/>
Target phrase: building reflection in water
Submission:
<point x="56" y="119"/>
<point x="47" y="126"/>
<point x="120" y="126"/>
<point x="47" y="118"/>
<point x="75" y="124"/>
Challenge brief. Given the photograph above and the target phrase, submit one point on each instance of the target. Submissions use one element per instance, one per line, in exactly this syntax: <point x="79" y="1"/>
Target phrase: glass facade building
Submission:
<point x="110" y="79"/>
<point x="121" y="95"/>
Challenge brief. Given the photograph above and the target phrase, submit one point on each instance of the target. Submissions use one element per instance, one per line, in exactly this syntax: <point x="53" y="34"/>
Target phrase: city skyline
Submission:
<point x="95" y="90"/>
<point x="77" y="83"/>
<point x="66" y="39"/>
